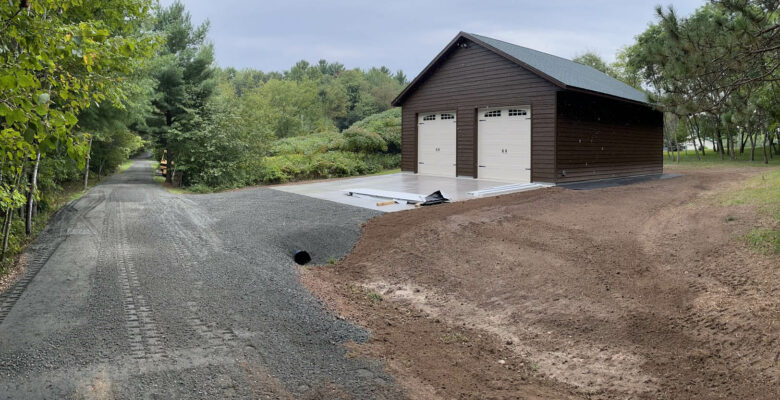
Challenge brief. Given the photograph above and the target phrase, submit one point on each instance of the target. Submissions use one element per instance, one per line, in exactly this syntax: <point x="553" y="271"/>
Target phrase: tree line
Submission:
<point x="715" y="73"/>
<point x="224" y="128"/>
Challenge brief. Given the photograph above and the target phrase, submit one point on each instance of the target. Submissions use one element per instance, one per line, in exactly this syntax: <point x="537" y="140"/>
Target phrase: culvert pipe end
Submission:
<point x="301" y="257"/>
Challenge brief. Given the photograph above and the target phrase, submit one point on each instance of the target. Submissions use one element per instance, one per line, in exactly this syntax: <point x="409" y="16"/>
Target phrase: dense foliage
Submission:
<point x="716" y="74"/>
<point x="60" y="60"/>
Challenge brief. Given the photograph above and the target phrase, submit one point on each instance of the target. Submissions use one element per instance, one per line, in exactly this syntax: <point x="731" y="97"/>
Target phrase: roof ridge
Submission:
<point x="526" y="48"/>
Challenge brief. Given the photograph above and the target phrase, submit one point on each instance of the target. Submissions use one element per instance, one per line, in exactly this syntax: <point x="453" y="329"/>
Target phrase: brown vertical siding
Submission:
<point x="474" y="77"/>
<point x="408" y="140"/>
<point x="599" y="138"/>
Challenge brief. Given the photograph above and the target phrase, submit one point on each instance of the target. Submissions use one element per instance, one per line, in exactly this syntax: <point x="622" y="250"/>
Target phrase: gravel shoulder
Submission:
<point x="133" y="292"/>
<point x="641" y="291"/>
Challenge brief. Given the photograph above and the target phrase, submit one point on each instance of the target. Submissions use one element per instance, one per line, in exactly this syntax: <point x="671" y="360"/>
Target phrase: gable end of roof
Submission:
<point x="561" y="72"/>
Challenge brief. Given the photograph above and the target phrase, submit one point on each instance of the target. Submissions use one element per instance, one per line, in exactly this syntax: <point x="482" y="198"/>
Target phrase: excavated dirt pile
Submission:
<point x="641" y="291"/>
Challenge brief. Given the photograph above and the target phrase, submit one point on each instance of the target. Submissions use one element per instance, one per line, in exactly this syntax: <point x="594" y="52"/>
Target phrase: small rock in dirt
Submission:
<point x="502" y="362"/>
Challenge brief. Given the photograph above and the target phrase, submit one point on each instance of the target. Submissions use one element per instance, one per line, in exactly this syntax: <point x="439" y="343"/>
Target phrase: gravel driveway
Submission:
<point x="133" y="292"/>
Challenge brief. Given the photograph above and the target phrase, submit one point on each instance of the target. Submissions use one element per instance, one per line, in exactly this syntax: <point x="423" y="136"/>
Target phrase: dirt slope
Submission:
<point x="643" y="291"/>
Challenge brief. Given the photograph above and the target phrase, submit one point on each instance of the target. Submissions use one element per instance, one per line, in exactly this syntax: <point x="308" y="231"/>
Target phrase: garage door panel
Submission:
<point x="504" y="143"/>
<point x="436" y="138"/>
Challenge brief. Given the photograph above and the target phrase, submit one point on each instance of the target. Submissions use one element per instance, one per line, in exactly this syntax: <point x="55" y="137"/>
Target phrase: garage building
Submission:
<point x="485" y="108"/>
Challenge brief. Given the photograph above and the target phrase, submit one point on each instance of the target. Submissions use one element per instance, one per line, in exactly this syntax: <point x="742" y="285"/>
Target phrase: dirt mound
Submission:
<point x="642" y="291"/>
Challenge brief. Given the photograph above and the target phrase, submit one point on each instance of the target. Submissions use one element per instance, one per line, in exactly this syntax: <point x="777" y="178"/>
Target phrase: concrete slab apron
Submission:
<point x="145" y="294"/>
<point x="333" y="190"/>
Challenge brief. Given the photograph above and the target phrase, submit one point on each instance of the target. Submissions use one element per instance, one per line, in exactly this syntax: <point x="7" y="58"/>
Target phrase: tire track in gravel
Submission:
<point x="145" y="340"/>
<point x="186" y="255"/>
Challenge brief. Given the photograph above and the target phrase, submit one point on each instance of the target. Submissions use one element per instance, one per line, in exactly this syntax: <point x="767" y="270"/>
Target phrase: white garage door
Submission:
<point x="436" y="143"/>
<point x="504" y="144"/>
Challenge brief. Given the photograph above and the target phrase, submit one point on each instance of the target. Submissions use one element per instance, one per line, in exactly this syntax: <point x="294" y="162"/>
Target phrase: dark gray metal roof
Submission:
<point x="567" y="72"/>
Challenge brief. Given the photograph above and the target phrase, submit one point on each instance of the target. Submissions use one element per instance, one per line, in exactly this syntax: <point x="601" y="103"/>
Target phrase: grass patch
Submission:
<point x="455" y="337"/>
<point x="762" y="191"/>
<point x="766" y="241"/>
<point x="375" y="297"/>
<point x="386" y="172"/>
<point x="125" y="165"/>
<point x="712" y="159"/>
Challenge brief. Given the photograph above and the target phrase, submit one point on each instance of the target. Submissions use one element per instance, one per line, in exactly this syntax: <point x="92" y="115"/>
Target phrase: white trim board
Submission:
<point x="387" y="194"/>
<point x="512" y="188"/>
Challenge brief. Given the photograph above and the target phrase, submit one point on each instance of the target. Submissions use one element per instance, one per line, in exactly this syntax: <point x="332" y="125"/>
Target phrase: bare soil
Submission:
<point x="641" y="291"/>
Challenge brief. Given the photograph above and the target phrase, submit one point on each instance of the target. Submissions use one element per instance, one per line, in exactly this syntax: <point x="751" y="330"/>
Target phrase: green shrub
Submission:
<point x="336" y="164"/>
<point x="387" y="125"/>
<point x="370" y="146"/>
<point x="357" y="139"/>
<point x="308" y="144"/>
<point x="381" y="162"/>
<point x="200" y="188"/>
<point x="333" y="164"/>
<point x="282" y="168"/>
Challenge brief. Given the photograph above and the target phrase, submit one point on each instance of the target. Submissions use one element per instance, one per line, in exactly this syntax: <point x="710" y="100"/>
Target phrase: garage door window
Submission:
<point x="514" y="113"/>
<point x="431" y="117"/>
<point x="496" y="113"/>
<point x="448" y="116"/>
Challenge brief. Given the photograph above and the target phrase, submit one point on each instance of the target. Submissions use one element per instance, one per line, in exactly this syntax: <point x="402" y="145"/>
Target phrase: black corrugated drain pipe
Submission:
<point x="301" y="257"/>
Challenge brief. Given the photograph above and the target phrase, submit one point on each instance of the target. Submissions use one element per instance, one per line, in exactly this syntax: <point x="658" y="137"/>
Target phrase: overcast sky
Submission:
<point x="407" y="34"/>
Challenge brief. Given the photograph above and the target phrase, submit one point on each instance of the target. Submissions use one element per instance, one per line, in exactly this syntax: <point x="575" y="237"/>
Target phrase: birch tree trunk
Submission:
<point x="31" y="195"/>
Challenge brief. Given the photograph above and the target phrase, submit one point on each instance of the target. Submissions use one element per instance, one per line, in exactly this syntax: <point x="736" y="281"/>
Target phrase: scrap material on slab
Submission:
<point x="436" y="197"/>
<point x="387" y="194"/>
